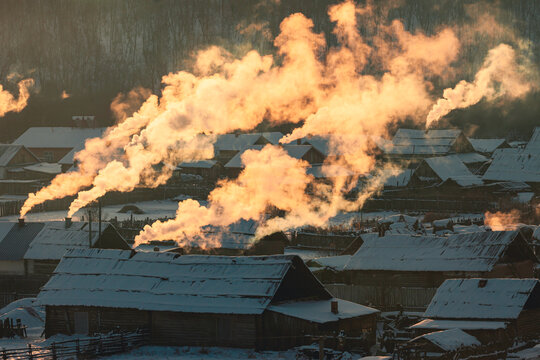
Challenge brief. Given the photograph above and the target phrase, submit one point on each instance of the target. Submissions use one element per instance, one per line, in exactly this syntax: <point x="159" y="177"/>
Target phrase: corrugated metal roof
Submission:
<point x="54" y="239"/>
<point x="499" y="299"/>
<point x="16" y="240"/>
<point x="166" y="281"/>
<point x="514" y="165"/>
<point x="57" y="137"/>
<point x="486" y="145"/>
<point x="459" y="252"/>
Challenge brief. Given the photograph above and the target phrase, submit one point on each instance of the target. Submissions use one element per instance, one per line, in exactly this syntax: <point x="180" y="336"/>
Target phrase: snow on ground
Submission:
<point x="31" y="315"/>
<point x="197" y="353"/>
<point x="527" y="354"/>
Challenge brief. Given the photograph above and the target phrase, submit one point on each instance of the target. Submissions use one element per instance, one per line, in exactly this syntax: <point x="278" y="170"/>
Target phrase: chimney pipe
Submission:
<point x="298" y="141"/>
<point x="21" y="222"/>
<point x="68" y="222"/>
<point x="334" y="306"/>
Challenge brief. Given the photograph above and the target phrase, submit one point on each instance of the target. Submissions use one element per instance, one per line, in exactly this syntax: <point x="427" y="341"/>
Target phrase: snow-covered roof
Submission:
<point x="15" y="239"/>
<point x="8" y="152"/>
<point x="411" y="141"/>
<point x="514" y="165"/>
<point x="497" y="299"/>
<point x="333" y="262"/>
<point x="421" y="134"/>
<point x="319" y="143"/>
<point x="295" y="151"/>
<point x="273" y="136"/>
<point x="57" y="137"/>
<point x="438" y="324"/>
<point x="168" y="281"/>
<point x="236" y="141"/>
<point x="472" y="158"/>
<point x="459" y="252"/>
<point x="534" y="143"/>
<point x="45" y="168"/>
<point x="54" y="239"/>
<point x="319" y="311"/>
<point x="450" y="340"/>
<point x="451" y="167"/>
<point x="486" y="146"/>
<point x="201" y="164"/>
<point x="334" y="171"/>
<point x="69" y="158"/>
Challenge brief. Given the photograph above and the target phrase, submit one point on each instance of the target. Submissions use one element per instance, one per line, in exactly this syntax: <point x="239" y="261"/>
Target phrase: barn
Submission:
<point x="396" y="271"/>
<point x="492" y="310"/>
<point x="263" y="302"/>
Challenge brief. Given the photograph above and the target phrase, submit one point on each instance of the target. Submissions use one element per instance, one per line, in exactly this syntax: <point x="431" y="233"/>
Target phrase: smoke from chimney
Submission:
<point x="8" y="103"/>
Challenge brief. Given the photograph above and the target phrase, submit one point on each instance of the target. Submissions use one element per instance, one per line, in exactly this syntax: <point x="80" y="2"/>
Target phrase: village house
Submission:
<point x="404" y="271"/>
<point x="13" y="158"/>
<point x="30" y="251"/>
<point x="228" y="145"/>
<point x="51" y="144"/>
<point x="495" y="311"/>
<point x="436" y="170"/>
<point x="415" y="145"/>
<point x="207" y="169"/>
<point x="488" y="146"/>
<point x="515" y="165"/>
<point x="263" y="302"/>
<point x="302" y="152"/>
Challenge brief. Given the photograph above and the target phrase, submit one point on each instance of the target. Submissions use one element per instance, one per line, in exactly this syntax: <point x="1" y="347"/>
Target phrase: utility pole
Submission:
<point x="99" y="223"/>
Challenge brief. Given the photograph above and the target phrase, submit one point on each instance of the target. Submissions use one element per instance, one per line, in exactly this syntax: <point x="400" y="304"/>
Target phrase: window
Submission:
<point x="48" y="156"/>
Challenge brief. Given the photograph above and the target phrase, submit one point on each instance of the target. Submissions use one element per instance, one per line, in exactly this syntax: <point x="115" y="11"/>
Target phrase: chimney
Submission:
<point x="68" y="222"/>
<point x="21" y="222"/>
<point x="334" y="306"/>
<point x="298" y="141"/>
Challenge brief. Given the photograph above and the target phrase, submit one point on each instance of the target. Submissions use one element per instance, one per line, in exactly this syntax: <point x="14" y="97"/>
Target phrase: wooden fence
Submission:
<point x="384" y="298"/>
<point x="80" y="348"/>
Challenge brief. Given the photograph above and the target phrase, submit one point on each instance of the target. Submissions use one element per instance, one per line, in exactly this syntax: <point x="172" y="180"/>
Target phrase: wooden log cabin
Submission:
<point x="396" y="271"/>
<point x="495" y="311"/>
<point x="263" y="302"/>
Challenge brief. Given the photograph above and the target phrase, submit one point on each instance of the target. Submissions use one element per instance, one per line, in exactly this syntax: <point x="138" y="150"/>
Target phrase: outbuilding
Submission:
<point x="264" y="302"/>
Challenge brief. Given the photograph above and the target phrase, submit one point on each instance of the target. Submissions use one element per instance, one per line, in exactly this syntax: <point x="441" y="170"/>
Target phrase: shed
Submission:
<point x="436" y="170"/>
<point x="267" y="302"/>
<point x="490" y="309"/>
<point x="436" y="344"/>
<point x="51" y="144"/>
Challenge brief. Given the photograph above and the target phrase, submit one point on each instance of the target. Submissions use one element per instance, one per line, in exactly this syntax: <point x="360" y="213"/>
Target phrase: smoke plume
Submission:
<point x="328" y="91"/>
<point x="500" y="221"/>
<point x="8" y="103"/>
<point x="500" y="76"/>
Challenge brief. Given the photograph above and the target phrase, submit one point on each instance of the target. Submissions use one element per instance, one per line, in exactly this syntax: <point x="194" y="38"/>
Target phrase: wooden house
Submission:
<point x="263" y="302"/>
<point x="227" y="146"/>
<point x="30" y="251"/>
<point x="515" y="165"/>
<point x="50" y="244"/>
<point x="207" y="169"/>
<point x="488" y="146"/>
<point x="436" y="170"/>
<point x="397" y="271"/>
<point x="50" y="144"/>
<point x="495" y="311"/>
<point x="13" y="158"/>
<point x="302" y="152"/>
<point x="414" y="145"/>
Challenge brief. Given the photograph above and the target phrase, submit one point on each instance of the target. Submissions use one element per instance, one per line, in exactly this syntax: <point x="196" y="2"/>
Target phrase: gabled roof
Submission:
<point x="486" y="146"/>
<point x="295" y="151"/>
<point x="450" y="340"/>
<point x="8" y="152"/>
<point x="399" y="179"/>
<point x="54" y="239"/>
<point x="459" y="252"/>
<point x="420" y="142"/>
<point x="534" y="143"/>
<point x="319" y="143"/>
<point x="273" y="136"/>
<point x="236" y="141"/>
<point x="472" y="158"/>
<point x="169" y="282"/>
<point x="15" y="239"/>
<point x="451" y="167"/>
<point x="514" y="165"/>
<point x="57" y="137"/>
<point x="496" y="299"/>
